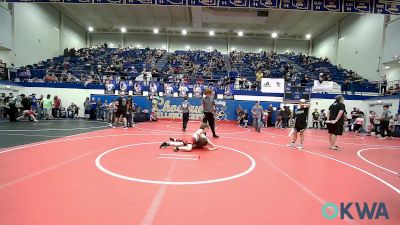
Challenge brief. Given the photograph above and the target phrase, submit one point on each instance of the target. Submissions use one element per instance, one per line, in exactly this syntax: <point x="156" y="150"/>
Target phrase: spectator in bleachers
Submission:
<point x="259" y="76"/>
<point x="183" y="90"/>
<point x="153" y="89"/>
<point x="197" y="92"/>
<point x="137" y="88"/>
<point x="168" y="89"/>
<point x="383" y="85"/>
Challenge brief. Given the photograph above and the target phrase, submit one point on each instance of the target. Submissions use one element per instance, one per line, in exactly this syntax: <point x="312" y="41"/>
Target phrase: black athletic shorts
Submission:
<point x="300" y="127"/>
<point x="120" y="112"/>
<point x="336" y="129"/>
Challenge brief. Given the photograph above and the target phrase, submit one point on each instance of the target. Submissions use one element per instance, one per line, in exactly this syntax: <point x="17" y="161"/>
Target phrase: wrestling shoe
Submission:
<point x="291" y="145"/>
<point x="300" y="147"/>
<point x="164" y="145"/>
<point x="176" y="149"/>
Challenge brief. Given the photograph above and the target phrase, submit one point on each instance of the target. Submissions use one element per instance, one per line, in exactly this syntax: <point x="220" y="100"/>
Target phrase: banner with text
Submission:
<point x="272" y="85"/>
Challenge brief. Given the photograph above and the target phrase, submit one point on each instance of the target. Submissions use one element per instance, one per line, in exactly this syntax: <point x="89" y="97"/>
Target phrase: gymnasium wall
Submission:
<point x="5" y="56"/>
<point x="39" y="33"/>
<point x="73" y="36"/>
<point x="394" y="72"/>
<point x="392" y="41"/>
<point x="173" y="43"/>
<point x="359" y="41"/>
<point x="6" y="31"/>
<point x="325" y="45"/>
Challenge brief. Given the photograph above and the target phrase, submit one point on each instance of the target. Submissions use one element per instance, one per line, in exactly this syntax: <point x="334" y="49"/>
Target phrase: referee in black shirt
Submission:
<point x="209" y="109"/>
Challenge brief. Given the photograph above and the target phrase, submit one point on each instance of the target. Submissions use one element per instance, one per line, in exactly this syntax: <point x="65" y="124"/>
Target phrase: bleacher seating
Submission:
<point x="96" y="65"/>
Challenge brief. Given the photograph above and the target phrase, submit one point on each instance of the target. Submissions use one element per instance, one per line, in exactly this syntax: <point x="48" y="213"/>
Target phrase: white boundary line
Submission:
<point x="99" y="166"/>
<point x="381" y="167"/>
<point x="347" y="143"/>
<point x="336" y="160"/>
<point x="185" y="158"/>
<point x="181" y="155"/>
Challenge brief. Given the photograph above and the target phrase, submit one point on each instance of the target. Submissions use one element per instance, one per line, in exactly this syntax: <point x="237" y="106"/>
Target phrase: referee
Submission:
<point x="209" y="109"/>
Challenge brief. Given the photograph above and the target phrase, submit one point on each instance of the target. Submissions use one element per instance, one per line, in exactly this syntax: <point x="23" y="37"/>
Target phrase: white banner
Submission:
<point x="326" y="86"/>
<point x="272" y="85"/>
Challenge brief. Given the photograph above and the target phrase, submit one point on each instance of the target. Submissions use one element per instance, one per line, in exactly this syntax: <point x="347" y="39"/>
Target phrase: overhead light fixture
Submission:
<point x="308" y="36"/>
<point x="274" y="35"/>
<point x="138" y="45"/>
<point x="387" y="67"/>
<point x="211" y="33"/>
<point x="209" y="48"/>
<point x="155" y="30"/>
<point x="240" y="33"/>
<point x="184" y="32"/>
<point x="123" y="29"/>
<point x="233" y="49"/>
<point x="260" y="50"/>
<point x="91" y="29"/>
<point x="187" y="47"/>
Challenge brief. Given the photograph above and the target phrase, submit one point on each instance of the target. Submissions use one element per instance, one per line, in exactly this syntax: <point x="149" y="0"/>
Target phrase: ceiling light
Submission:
<point x="155" y="30"/>
<point x="240" y="33"/>
<point x="138" y="45"/>
<point x="184" y="32"/>
<point x="90" y="29"/>
<point x="211" y="33"/>
<point x="123" y="29"/>
<point x="233" y="49"/>
<point x="308" y="36"/>
<point x="387" y="67"/>
<point x="187" y="47"/>
<point x="274" y="35"/>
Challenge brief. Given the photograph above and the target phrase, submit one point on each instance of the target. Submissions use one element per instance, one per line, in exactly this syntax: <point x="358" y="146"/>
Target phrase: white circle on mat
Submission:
<point x="103" y="169"/>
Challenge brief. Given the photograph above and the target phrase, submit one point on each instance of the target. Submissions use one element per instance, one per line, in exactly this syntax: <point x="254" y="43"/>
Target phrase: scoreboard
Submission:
<point x="295" y="93"/>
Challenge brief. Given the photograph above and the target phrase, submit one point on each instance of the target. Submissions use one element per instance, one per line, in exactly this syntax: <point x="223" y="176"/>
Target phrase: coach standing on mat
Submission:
<point x="335" y="121"/>
<point x="209" y="109"/>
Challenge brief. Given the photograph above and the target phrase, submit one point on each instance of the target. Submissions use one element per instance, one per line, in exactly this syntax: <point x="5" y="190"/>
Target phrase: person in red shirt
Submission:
<point x="57" y="107"/>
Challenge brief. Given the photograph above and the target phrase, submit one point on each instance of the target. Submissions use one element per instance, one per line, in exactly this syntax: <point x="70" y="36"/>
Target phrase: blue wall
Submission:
<point x="169" y="107"/>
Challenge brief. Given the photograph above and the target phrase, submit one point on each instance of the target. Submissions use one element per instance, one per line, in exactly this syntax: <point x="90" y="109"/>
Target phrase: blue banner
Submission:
<point x="47" y="1"/>
<point x="234" y="3"/>
<point x="387" y="7"/>
<point x="327" y="5"/>
<point x="16" y="1"/>
<point x="296" y="4"/>
<point x="171" y="2"/>
<point x="109" y="1"/>
<point x="203" y="2"/>
<point x="363" y="6"/>
<point x="264" y="4"/>
<point x="170" y="107"/>
<point x="78" y="1"/>
<point x="140" y="2"/>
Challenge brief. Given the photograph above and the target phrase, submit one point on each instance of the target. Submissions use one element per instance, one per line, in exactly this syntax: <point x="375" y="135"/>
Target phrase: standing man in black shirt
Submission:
<point x="335" y="120"/>
<point x="122" y="108"/>
<point x="301" y="117"/>
<point x="209" y="109"/>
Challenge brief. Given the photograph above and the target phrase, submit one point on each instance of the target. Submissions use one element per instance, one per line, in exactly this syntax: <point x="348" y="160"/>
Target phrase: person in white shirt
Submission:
<point x="183" y="90"/>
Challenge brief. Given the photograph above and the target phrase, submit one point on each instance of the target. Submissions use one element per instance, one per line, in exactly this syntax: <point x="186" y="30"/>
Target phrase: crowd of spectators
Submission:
<point x="99" y="64"/>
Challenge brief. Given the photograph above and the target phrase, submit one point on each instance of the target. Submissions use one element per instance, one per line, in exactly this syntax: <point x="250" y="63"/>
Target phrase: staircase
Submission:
<point x="162" y="61"/>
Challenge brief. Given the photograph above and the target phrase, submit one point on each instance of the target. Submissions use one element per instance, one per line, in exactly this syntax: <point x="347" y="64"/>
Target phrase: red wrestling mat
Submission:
<point x="118" y="176"/>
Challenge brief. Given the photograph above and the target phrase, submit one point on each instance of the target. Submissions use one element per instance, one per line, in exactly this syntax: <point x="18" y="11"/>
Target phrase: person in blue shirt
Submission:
<point x="93" y="107"/>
